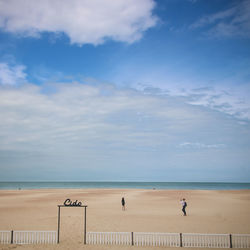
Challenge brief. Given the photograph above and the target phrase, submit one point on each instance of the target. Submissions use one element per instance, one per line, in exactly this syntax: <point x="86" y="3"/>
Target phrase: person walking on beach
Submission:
<point x="184" y="205"/>
<point x="123" y="204"/>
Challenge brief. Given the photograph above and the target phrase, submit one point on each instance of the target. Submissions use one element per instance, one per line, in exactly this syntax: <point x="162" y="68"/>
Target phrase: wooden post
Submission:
<point x="58" y="225"/>
<point x="230" y="241"/>
<point x="85" y="224"/>
<point x="180" y="239"/>
<point x="132" y="238"/>
<point x="11" y="237"/>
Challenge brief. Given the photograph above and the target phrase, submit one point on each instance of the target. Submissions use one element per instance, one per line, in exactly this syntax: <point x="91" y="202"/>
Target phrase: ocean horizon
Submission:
<point x="18" y="185"/>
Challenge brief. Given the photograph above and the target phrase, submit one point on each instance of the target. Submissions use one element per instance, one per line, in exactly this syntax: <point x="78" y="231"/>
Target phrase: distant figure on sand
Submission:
<point x="184" y="205"/>
<point x="123" y="203"/>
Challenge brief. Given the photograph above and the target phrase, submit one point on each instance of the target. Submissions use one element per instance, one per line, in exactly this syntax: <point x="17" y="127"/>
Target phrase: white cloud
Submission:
<point x="231" y="100"/>
<point x="232" y="22"/>
<point x="81" y="114"/>
<point x="89" y="132"/>
<point x="213" y="18"/>
<point x="83" y="21"/>
<point x="11" y="74"/>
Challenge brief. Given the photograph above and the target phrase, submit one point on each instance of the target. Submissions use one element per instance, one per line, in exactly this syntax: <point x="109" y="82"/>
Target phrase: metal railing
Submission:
<point x="241" y="240"/>
<point x="28" y="237"/>
<point x="157" y="239"/>
<point x="109" y="238"/>
<point x="134" y="238"/>
<point x="206" y="240"/>
<point x="170" y="239"/>
<point x="5" y="237"/>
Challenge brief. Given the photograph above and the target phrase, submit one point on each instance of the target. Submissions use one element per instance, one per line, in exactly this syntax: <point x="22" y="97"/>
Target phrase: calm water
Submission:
<point x="126" y="185"/>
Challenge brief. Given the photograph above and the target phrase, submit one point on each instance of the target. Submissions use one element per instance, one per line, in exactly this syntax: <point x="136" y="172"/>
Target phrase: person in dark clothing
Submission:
<point x="184" y="205"/>
<point x="123" y="203"/>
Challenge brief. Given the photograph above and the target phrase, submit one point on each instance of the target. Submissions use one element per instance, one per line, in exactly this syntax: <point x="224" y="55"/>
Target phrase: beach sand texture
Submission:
<point x="146" y="211"/>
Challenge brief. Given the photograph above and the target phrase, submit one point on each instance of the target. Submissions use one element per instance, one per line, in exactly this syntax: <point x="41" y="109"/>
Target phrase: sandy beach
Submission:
<point x="146" y="211"/>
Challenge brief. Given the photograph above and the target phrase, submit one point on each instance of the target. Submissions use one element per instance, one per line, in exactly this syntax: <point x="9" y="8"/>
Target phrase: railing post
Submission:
<point x="230" y="241"/>
<point x="58" y="226"/>
<point x="132" y="238"/>
<point x="85" y="224"/>
<point x="11" y="237"/>
<point x="180" y="239"/>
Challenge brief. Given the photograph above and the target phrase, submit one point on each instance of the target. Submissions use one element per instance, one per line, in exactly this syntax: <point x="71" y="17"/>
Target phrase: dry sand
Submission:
<point x="146" y="211"/>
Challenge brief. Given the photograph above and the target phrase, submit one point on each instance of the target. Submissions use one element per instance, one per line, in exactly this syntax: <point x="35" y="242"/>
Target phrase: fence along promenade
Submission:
<point x="170" y="239"/>
<point x="28" y="237"/>
<point x="5" y="237"/>
<point x="207" y="240"/>
<point x="241" y="240"/>
<point x="157" y="239"/>
<point x="134" y="238"/>
<point x="109" y="238"/>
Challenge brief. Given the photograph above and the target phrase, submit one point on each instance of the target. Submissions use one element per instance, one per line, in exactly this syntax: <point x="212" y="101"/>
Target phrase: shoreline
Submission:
<point x="125" y="185"/>
<point x="123" y="189"/>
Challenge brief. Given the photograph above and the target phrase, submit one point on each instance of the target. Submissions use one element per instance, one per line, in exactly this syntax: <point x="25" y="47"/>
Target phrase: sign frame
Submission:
<point x="72" y="206"/>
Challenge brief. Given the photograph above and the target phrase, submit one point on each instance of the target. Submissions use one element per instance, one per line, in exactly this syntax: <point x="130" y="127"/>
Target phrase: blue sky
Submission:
<point x="125" y="90"/>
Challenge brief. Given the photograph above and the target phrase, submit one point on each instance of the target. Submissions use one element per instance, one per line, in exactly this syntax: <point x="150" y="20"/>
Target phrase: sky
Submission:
<point x="125" y="90"/>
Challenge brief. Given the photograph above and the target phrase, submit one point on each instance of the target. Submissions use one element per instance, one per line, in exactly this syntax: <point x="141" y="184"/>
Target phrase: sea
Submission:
<point x="124" y="185"/>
